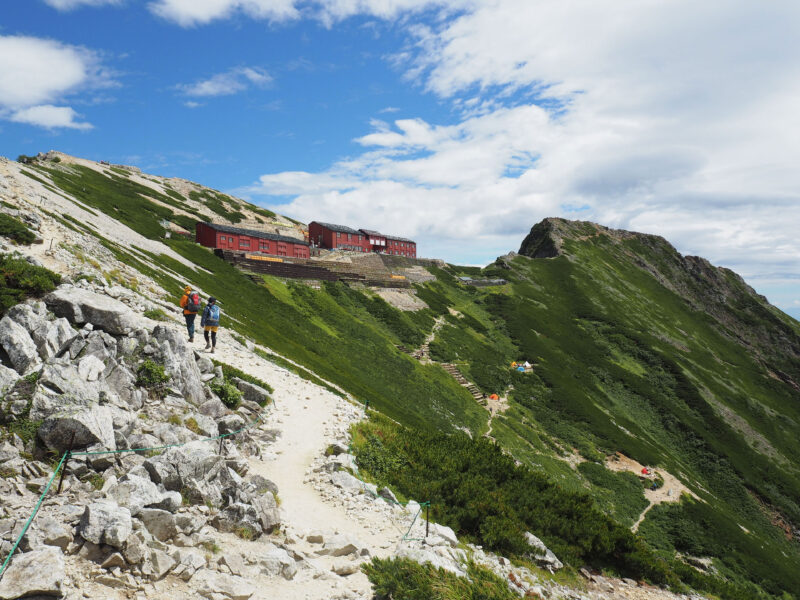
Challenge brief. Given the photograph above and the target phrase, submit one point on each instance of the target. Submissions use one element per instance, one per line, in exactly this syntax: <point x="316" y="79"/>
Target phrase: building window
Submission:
<point x="244" y="243"/>
<point x="349" y="237"/>
<point x="338" y="234"/>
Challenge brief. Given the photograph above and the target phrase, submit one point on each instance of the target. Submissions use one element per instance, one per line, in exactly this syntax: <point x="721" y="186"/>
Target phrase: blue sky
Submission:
<point x="460" y="123"/>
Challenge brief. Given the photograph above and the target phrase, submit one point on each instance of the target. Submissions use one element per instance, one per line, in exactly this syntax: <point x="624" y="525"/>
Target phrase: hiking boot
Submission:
<point x="212" y="349"/>
<point x="208" y="345"/>
<point x="191" y="339"/>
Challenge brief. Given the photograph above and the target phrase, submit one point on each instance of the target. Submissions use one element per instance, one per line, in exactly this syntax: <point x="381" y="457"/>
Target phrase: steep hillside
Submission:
<point x="639" y="357"/>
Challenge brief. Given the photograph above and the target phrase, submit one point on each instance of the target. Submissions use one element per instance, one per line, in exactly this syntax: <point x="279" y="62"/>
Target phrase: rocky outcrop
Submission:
<point x="81" y="306"/>
<point x="19" y="346"/>
<point x="542" y="555"/>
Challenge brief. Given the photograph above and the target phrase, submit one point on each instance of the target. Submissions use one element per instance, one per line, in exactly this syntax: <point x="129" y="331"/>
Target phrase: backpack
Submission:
<point x="213" y="313"/>
<point x="193" y="303"/>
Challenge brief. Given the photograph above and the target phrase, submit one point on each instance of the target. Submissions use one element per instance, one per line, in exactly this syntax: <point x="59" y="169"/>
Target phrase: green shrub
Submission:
<point x="408" y="580"/>
<point x="486" y="498"/>
<point x="20" y="279"/>
<point x="228" y="393"/>
<point x="156" y="314"/>
<point x="25" y="428"/>
<point x="229" y="372"/>
<point x="152" y="376"/>
<point x="15" y="229"/>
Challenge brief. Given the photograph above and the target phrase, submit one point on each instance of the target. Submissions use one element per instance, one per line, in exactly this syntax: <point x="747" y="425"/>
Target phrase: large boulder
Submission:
<point x="61" y="386"/>
<point x="269" y="514"/>
<point x="82" y="306"/>
<point x="277" y="561"/>
<point x="160" y="523"/>
<point x="191" y="469"/>
<point x="105" y="522"/>
<point x="542" y="555"/>
<point x="238" y="517"/>
<point x="135" y="493"/>
<point x="19" y="346"/>
<point x="53" y="337"/>
<point x="252" y="392"/>
<point x="8" y="377"/>
<point x="78" y="426"/>
<point x="37" y="573"/>
<point x="179" y="363"/>
<point x="28" y="314"/>
<point x="425" y="556"/>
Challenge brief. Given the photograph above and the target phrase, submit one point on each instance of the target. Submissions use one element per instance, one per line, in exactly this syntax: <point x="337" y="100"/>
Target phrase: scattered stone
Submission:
<point x="36" y="573"/>
<point x="212" y="585"/>
<point x="160" y="523"/>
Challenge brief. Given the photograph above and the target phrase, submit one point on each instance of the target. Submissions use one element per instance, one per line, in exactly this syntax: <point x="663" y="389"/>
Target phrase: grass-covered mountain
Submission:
<point x="636" y="349"/>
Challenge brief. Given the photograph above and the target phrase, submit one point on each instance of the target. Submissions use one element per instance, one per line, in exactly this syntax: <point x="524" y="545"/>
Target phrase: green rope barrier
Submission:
<point x="33" y="514"/>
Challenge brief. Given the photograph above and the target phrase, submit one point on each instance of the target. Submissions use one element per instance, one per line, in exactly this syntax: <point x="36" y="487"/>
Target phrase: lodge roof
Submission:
<point x="399" y="239"/>
<point x="388" y="237"/>
<point x="255" y="233"/>
<point x="340" y="228"/>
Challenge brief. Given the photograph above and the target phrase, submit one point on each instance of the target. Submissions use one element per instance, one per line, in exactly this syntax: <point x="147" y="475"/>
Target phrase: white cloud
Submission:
<point x="674" y="118"/>
<point x="49" y="116"/>
<point x="227" y="83"/>
<point x="192" y="104"/>
<point x="73" y="4"/>
<point x="190" y="13"/>
<point x="36" y="72"/>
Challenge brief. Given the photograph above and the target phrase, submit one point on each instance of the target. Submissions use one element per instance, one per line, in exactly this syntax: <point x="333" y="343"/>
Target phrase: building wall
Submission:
<point x="203" y="234"/>
<point x="210" y="237"/>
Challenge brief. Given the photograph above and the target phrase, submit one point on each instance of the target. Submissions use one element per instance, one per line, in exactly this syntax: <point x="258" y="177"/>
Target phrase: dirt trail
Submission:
<point x="671" y="491"/>
<point x="308" y="417"/>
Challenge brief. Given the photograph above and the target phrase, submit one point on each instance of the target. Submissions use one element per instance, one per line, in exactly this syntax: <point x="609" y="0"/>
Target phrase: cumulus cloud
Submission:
<point x="190" y="13"/>
<point x="49" y="116"/>
<point x="664" y="118"/>
<point x="66" y="5"/>
<point x="36" y="72"/>
<point x="227" y="83"/>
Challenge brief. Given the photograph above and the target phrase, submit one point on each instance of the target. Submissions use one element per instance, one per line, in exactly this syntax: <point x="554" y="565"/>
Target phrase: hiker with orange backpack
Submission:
<point x="190" y="303"/>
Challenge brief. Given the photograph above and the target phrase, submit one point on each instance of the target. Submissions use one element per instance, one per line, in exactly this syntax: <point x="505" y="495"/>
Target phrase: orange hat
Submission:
<point x="187" y="289"/>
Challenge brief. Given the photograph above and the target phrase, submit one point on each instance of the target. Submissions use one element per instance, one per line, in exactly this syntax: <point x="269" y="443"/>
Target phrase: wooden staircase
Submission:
<point x="459" y="377"/>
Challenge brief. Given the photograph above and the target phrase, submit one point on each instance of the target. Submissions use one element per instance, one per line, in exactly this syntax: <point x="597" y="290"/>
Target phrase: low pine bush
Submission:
<point x="15" y="229"/>
<point x="20" y="279"/>
<point x="152" y="376"/>
<point x="228" y="393"/>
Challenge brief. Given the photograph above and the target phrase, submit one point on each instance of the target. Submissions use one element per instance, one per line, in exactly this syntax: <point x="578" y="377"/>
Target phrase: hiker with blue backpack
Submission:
<point x="210" y="323"/>
<point x="190" y="303"/>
